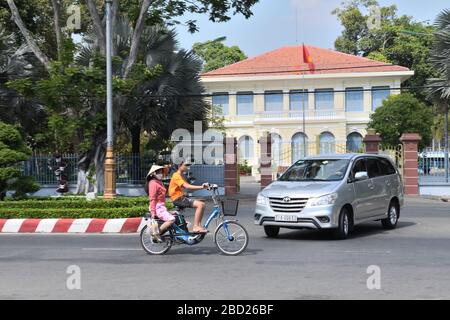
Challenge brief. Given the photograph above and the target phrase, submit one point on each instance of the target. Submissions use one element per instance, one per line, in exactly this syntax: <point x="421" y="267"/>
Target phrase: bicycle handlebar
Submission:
<point x="212" y="186"/>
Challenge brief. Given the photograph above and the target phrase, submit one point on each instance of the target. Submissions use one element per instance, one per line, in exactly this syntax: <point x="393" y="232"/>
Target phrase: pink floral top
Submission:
<point x="156" y="194"/>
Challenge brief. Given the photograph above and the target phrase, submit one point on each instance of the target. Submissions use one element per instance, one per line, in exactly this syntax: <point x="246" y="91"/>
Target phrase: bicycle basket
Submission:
<point x="230" y="207"/>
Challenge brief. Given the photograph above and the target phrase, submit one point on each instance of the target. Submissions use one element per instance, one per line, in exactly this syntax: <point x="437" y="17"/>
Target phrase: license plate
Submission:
<point x="286" y="218"/>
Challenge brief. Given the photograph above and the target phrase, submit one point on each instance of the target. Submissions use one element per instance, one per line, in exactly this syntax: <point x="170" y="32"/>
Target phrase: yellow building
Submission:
<point x="268" y="93"/>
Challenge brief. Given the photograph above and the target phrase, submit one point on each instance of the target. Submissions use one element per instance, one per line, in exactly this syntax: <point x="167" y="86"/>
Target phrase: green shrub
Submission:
<point x="75" y="209"/>
<point x="35" y="213"/>
<point x="13" y="150"/>
<point x="94" y="204"/>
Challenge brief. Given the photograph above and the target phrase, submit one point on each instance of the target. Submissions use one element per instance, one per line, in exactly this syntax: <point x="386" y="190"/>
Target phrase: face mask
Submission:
<point x="159" y="176"/>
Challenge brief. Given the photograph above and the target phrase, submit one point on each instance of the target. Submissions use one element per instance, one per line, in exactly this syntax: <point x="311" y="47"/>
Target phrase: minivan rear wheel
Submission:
<point x="272" y="231"/>
<point x="344" y="227"/>
<point x="393" y="214"/>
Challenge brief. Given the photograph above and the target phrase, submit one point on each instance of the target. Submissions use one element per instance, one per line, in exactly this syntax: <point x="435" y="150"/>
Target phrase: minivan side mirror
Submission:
<point x="361" y="175"/>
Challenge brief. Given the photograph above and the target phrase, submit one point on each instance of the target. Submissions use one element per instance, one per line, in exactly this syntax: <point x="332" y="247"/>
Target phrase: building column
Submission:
<point x="339" y="99"/>
<point x="230" y="166"/>
<point x="367" y="98"/>
<point x="265" y="143"/>
<point x="372" y="141"/>
<point x="410" y="163"/>
<point x="232" y="104"/>
<point x="258" y="102"/>
<point x="286" y="101"/>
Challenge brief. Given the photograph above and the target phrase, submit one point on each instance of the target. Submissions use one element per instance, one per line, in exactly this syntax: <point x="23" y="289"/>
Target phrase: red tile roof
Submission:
<point x="289" y="61"/>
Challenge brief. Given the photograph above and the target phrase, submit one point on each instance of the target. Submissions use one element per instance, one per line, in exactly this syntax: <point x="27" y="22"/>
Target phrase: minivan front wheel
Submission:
<point x="272" y="231"/>
<point x="393" y="214"/>
<point x="345" y="222"/>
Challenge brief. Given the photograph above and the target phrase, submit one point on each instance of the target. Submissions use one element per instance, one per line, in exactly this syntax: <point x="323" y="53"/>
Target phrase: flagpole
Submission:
<point x="303" y="107"/>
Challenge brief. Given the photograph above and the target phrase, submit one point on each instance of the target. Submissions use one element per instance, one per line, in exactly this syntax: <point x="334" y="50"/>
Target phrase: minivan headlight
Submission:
<point x="260" y="199"/>
<point x="326" y="200"/>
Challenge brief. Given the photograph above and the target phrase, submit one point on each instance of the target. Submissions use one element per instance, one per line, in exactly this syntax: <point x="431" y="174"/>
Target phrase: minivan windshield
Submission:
<point x="316" y="170"/>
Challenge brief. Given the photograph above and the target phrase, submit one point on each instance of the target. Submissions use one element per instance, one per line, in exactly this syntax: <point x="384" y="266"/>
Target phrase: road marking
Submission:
<point x="360" y="251"/>
<point x="111" y="249"/>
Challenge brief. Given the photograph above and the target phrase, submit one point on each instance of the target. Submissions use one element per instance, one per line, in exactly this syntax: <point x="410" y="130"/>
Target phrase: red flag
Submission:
<point x="307" y="58"/>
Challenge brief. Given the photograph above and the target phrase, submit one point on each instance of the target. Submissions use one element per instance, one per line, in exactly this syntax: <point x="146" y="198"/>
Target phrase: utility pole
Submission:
<point x="446" y="145"/>
<point x="110" y="166"/>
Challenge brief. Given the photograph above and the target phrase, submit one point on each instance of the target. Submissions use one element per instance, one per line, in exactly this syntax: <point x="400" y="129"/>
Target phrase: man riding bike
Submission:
<point x="176" y="186"/>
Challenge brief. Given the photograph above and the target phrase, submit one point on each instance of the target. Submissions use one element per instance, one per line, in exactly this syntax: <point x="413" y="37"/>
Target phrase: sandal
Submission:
<point x="200" y="230"/>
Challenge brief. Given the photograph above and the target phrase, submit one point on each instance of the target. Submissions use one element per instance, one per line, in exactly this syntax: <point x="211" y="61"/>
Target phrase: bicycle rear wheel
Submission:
<point x="152" y="247"/>
<point x="231" y="238"/>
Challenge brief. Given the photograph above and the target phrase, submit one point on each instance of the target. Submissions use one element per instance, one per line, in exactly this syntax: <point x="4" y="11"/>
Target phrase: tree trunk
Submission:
<point x="99" y="162"/>
<point x="137" y="32"/>
<point x="136" y="151"/>
<point x="97" y="24"/>
<point x="57" y="18"/>
<point x="135" y="139"/>
<point x="114" y="10"/>
<point x="27" y="35"/>
<point x="82" y="181"/>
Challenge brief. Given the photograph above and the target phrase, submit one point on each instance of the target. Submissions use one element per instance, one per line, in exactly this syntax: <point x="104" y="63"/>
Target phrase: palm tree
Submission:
<point x="17" y="62"/>
<point x="440" y="58"/>
<point x="160" y="104"/>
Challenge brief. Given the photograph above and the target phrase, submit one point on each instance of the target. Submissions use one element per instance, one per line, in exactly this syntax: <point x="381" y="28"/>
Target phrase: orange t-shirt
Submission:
<point x="176" y="186"/>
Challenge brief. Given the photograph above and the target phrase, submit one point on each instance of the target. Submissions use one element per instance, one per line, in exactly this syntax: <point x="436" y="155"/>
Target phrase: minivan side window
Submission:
<point x="386" y="167"/>
<point x="372" y="168"/>
<point x="360" y="165"/>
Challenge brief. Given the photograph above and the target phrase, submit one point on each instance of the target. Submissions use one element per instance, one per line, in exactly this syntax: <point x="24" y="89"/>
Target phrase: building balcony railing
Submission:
<point x="307" y="115"/>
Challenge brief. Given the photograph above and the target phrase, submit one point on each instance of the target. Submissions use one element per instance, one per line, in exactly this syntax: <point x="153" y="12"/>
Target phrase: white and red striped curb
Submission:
<point x="129" y="225"/>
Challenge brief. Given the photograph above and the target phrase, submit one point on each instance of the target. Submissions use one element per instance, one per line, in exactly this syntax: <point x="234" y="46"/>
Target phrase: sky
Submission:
<point x="277" y="23"/>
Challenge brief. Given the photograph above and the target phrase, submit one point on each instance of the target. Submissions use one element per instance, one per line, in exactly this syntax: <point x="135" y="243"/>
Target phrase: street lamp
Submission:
<point x="110" y="166"/>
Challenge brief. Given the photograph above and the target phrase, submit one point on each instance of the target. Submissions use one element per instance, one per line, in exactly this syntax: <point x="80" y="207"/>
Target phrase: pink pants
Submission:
<point x="163" y="214"/>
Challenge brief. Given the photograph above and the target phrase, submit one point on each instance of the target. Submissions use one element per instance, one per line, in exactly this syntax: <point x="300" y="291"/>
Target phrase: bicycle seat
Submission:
<point x="179" y="208"/>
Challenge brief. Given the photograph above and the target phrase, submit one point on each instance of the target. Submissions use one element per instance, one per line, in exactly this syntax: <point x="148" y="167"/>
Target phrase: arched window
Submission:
<point x="327" y="143"/>
<point x="277" y="146"/>
<point x="299" y="146"/>
<point x="354" y="142"/>
<point x="245" y="148"/>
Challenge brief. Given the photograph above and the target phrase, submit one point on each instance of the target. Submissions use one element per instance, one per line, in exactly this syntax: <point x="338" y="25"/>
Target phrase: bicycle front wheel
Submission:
<point x="231" y="238"/>
<point x="152" y="247"/>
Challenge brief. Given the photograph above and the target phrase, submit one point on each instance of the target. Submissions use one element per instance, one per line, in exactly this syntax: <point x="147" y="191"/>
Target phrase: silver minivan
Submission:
<point x="332" y="192"/>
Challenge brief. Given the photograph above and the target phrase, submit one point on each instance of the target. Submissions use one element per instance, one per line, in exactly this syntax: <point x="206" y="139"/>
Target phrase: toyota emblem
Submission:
<point x="286" y="199"/>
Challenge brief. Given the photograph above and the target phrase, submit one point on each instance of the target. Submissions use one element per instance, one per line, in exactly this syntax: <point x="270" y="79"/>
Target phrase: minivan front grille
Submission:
<point x="288" y="205"/>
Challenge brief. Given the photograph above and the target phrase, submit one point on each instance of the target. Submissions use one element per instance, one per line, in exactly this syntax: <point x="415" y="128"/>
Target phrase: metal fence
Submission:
<point x="397" y="156"/>
<point x="208" y="173"/>
<point x="433" y="169"/>
<point x="130" y="169"/>
<point x="42" y="168"/>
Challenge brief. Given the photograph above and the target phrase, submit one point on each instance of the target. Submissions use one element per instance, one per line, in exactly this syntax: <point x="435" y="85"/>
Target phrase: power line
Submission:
<point x="269" y="92"/>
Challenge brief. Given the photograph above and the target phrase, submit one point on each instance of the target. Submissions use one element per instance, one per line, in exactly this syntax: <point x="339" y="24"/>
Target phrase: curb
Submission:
<point x="127" y="225"/>
<point x="437" y="198"/>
